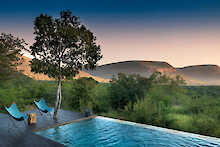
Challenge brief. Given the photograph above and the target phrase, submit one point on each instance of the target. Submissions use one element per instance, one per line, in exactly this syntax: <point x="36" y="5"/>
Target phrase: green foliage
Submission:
<point x="164" y="103"/>
<point x="168" y="103"/>
<point x="100" y="100"/>
<point x="86" y="93"/>
<point x="24" y="91"/>
<point x="80" y="98"/>
<point x="198" y="91"/>
<point x="10" y="54"/>
<point x="127" y="89"/>
<point x="153" y="109"/>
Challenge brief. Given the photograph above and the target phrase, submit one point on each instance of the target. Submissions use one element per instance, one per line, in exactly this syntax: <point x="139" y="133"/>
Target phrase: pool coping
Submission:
<point x="172" y="131"/>
<point x="65" y="123"/>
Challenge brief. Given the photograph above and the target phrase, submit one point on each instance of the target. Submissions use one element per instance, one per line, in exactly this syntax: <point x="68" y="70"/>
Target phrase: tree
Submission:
<point x="62" y="47"/>
<point x="10" y="54"/>
<point x="81" y="88"/>
<point x="128" y="88"/>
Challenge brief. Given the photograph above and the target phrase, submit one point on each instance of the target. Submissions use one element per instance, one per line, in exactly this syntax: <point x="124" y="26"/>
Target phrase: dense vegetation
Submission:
<point x="10" y="54"/>
<point x="157" y="100"/>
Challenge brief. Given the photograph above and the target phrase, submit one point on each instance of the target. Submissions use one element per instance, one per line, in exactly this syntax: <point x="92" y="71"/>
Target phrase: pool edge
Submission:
<point x="65" y="123"/>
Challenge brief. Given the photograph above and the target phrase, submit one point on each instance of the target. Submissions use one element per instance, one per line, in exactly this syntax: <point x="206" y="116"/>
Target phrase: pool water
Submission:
<point x="100" y="132"/>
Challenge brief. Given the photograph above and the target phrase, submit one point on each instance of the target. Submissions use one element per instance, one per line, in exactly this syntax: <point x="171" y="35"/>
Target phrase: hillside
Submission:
<point x="193" y="75"/>
<point x="143" y="68"/>
<point x="208" y="74"/>
<point x="26" y="70"/>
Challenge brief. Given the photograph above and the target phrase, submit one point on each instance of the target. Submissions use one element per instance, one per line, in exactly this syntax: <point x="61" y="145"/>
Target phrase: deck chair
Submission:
<point x="42" y="107"/>
<point x="16" y="114"/>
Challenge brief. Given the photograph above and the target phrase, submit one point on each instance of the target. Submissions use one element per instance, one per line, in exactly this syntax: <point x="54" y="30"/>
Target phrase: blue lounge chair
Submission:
<point x="42" y="106"/>
<point x="15" y="113"/>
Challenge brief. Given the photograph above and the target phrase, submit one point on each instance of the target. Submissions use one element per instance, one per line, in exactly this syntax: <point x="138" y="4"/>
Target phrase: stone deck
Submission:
<point x="20" y="134"/>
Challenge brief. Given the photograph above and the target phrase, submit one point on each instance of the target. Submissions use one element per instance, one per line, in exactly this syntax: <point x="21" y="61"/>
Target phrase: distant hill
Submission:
<point x="26" y="70"/>
<point x="143" y="68"/>
<point x="207" y="74"/>
<point x="193" y="75"/>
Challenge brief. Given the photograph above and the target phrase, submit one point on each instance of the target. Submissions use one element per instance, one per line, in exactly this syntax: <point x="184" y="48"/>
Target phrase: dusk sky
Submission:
<point x="180" y="32"/>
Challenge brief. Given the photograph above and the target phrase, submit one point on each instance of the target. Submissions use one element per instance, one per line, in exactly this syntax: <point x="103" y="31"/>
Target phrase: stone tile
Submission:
<point x="20" y="134"/>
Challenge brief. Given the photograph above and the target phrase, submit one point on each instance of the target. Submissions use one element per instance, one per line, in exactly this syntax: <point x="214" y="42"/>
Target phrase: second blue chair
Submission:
<point x="42" y="106"/>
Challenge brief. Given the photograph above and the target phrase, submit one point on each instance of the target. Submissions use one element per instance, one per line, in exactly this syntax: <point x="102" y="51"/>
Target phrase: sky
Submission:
<point x="180" y="32"/>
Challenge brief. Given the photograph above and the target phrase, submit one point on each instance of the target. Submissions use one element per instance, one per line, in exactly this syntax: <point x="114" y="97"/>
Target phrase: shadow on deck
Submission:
<point x="21" y="135"/>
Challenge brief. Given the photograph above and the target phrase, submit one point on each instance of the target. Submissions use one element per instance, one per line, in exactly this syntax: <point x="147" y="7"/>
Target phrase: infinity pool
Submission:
<point x="102" y="132"/>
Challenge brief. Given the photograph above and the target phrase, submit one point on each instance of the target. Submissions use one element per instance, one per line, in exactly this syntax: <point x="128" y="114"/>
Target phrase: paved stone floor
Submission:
<point x="18" y="134"/>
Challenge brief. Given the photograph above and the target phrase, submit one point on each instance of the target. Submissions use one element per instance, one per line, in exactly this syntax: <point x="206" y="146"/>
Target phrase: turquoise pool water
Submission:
<point x="100" y="132"/>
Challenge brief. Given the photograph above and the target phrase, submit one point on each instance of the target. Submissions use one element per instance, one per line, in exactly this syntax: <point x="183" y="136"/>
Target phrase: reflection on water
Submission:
<point x="103" y="133"/>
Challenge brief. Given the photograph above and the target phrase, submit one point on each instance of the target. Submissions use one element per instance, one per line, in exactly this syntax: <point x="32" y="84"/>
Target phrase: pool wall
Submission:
<point x="186" y="134"/>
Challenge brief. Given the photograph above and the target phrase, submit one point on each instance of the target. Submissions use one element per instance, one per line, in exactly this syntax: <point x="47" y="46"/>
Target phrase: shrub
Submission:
<point x="100" y="101"/>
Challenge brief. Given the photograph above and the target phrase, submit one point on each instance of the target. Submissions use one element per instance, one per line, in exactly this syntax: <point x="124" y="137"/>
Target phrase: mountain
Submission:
<point x="193" y="75"/>
<point x="26" y="70"/>
<point x="143" y="68"/>
<point x="207" y="74"/>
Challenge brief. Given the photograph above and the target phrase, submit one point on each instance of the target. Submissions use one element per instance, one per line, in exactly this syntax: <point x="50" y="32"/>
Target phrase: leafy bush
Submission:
<point x="100" y="101"/>
<point x="153" y="109"/>
<point x="127" y="89"/>
<point x="80" y="89"/>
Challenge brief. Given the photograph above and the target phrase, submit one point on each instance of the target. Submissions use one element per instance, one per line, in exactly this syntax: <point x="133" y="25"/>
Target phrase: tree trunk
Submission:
<point x="58" y="101"/>
<point x="60" y="96"/>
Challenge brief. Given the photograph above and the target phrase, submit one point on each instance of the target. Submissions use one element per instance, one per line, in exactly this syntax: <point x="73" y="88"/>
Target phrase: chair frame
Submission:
<point x="43" y="111"/>
<point x="12" y="118"/>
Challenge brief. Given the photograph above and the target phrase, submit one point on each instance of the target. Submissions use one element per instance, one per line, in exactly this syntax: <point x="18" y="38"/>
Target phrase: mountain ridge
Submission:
<point x="146" y="68"/>
<point x="206" y="74"/>
<point x="26" y="70"/>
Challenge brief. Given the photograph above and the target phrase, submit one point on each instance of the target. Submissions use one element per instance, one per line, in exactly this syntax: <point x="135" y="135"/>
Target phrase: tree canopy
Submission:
<point x="10" y="54"/>
<point x="63" y="46"/>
